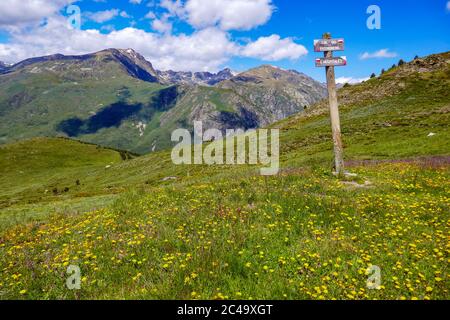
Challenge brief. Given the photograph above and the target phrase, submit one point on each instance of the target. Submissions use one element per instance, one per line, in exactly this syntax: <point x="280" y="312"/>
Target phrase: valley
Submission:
<point x="116" y="98"/>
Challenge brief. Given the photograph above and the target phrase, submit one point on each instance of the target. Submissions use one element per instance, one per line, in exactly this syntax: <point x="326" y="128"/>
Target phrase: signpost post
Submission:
<point x="328" y="45"/>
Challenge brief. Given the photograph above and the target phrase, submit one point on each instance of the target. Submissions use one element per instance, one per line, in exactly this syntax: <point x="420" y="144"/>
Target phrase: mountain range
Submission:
<point x="195" y="78"/>
<point x="116" y="98"/>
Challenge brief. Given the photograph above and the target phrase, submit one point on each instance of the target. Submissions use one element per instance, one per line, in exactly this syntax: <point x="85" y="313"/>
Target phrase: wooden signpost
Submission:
<point x="328" y="45"/>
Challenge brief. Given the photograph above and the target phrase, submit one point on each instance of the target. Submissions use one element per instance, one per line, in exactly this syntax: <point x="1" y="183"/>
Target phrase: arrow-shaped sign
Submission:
<point x="323" y="45"/>
<point x="331" y="62"/>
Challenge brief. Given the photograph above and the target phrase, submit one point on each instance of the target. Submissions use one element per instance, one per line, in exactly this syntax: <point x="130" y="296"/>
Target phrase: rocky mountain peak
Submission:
<point x="195" y="78"/>
<point x="269" y="74"/>
<point x="136" y="65"/>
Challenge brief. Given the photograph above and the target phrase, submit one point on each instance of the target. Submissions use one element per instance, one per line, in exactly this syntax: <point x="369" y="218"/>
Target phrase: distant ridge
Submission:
<point x="116" y="98"/>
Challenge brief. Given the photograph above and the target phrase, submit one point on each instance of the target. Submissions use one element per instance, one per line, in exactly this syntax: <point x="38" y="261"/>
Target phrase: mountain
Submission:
<point x="194" y="78"/>
<point x="117" y="99"/>
<point x="98" y="97"/>
<point x="277" y="93"/>
<point x="100" y="65"/>
<point x="248" y="100"/>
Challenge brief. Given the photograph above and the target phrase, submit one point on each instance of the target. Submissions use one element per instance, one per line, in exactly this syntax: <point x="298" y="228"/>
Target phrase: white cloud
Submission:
<point x="125" y="14"/>
<point x="228" y="15"/>
<point x="448" y="6"/>
<point x="380" y="54"/>
<point x="103" y="16"/>
<point x="174" y="7"/>
<point x="350" y="80"/>
<point x="204" y="50"/>
<point x="17" y="12"/>
<point x="135" y="1"/>
<point x="162" y="25"/>
<point x="273" y="48"/>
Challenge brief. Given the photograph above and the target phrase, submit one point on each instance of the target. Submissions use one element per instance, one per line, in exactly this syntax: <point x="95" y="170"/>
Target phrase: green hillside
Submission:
<point x="33" y="108"/>
<point x="44" y="170"/>
<point x="158" y="231"/>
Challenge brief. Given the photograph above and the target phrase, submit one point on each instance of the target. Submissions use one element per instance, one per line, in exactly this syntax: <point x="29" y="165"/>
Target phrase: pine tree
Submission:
<point x="373" y="76"/>
<point x="401" y="62"/>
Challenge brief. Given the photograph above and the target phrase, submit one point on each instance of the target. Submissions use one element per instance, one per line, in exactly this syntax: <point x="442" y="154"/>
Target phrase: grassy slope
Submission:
<point x="31" y="172"/>
<point x="230" y="233"/>
<point x="396" y="126"/>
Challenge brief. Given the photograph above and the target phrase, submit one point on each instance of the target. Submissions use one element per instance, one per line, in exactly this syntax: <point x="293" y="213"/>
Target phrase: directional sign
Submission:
<point x="331" y="62"/>
<point x="329" y="45"/>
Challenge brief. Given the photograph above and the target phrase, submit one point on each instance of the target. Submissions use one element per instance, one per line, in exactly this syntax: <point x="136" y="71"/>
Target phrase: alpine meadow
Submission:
<point x="94" y="206"/>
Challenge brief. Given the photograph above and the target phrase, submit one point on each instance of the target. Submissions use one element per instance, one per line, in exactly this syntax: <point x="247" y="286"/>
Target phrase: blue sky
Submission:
<point x="409" y="27"/>
<point x="240" y="34"/>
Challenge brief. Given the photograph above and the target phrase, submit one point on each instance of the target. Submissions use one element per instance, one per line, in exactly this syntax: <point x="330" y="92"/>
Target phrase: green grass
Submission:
<point x="228" y="233"/>
<point x="40" y="212"/>
<point x="42" y="169"/>
<point x="301" y="235"/>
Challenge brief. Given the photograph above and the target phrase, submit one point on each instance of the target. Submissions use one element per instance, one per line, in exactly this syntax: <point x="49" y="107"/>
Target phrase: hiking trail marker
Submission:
<point x="327" y="46"/>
